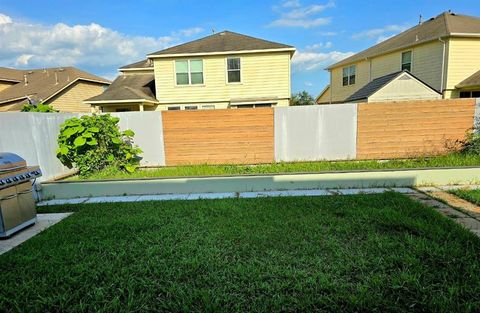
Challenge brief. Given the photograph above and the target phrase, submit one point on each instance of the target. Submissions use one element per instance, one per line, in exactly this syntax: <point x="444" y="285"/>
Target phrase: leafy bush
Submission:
<point x="39" y="107"/>
<point x="91" y="143"/>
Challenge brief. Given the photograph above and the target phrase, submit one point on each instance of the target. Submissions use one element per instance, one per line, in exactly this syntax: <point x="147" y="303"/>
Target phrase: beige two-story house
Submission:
<point x="64" y="88"/>
<point x="224" y="70"/>
<point x="442" y="54"/>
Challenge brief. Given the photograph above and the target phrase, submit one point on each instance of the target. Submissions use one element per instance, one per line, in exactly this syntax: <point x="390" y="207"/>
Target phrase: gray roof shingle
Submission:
<point x="147" y="63"/>
<point x="376" y="84"/>
<point x="443" y="25"/>
<point x="42" y="83"/>
<point x="222" y="42"/>
<point x="129" y="87"/>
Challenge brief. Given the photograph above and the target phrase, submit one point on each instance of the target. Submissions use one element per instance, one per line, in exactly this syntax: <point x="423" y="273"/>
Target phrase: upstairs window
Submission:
<point x="233" y="70"/>
<point x="407" y="61"/>
<point x="349" y="75"/>
<point x="189" y="72"/>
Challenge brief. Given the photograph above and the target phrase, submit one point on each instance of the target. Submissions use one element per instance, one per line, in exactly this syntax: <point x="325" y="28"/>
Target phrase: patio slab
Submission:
<point x="44" y="221"/>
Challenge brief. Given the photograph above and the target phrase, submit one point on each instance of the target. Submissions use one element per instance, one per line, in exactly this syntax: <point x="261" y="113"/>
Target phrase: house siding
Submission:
<point x="264" y="75"/>
<point x="404" y="88"/>
<point x="4" y="85"/>
<point x="426" y="65"/>
<point x="71" y="99"/>
<point x="325" y="97"/>
<point x="340" y="92"/>
<point x="463" y="61"/>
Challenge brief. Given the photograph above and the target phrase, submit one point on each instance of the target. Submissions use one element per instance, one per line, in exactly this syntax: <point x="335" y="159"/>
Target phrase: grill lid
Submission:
<point x="11" y="161"/>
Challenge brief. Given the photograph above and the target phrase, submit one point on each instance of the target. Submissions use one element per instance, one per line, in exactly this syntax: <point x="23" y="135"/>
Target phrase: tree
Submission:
<point x="302" y="98"/>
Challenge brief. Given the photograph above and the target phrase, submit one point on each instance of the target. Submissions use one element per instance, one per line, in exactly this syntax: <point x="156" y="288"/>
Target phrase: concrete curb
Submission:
<point x="255" y="183"/>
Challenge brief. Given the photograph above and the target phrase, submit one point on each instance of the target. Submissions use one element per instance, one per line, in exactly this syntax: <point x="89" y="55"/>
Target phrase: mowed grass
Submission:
<point x="469" y="195"/>
<point x="450" y="160"/>
<point x="365" y="253"/>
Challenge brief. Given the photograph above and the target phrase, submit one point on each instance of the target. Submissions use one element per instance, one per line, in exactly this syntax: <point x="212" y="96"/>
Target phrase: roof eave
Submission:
<point x="178" y="55"/>
<point x="135" y="69"/>
<point x="340" y="63"/>
<point x="120" y="101"/>
<point x="322" y="92"/>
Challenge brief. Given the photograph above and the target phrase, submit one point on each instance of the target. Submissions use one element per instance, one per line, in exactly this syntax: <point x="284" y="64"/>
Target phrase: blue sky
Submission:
<point x="100" y="36"/>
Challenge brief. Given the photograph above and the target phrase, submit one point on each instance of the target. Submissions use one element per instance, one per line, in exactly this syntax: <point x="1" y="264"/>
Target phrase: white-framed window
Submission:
<point x="349" y="75"/>
<point x="208" y="107"/>
<point x="191" y="107"/>
<point x="234" y="70"/>
<point x="407" y="61"/>
<point x="189" y="72"/>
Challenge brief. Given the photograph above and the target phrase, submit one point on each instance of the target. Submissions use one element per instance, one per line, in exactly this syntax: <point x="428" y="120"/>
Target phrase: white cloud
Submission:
<point x="328" y="34"/>
<point x="381" y="34"/>
<point x="189" y="32"/>
<point x="23" y="59"/>
<point x="308" y="61"/>
<point x="297" y="15"/>
<point x="291" y="4"/>
<point x="86" y="46"/>
<point x="308" y="84"/>
<point x="320" y="46"/>
<point x="5" y="19"/>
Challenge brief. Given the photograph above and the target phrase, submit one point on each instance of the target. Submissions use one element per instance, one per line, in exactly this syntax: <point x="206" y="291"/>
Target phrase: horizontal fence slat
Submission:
<point x="412" y="128"/>
<point x="219" y="136"/>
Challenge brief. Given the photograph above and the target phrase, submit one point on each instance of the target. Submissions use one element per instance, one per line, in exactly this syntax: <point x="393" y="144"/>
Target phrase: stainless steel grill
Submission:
<point x="17" y="205"/>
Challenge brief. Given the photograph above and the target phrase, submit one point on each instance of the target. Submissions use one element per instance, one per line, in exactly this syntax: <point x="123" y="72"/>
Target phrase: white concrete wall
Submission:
<point x="309" y="133"/>
<point x="148" y="130"/>
<point x="33" y="136"/>
<point x="319" y="132"/>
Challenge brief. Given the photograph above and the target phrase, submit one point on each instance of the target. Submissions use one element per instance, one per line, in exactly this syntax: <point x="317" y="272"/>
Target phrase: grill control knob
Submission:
<point x="27" y="175"/>
<point x="15" y="178"/>
<point x="8" y="180"/>
<point x="21" y="177"/>
<point x="2" y="182"/>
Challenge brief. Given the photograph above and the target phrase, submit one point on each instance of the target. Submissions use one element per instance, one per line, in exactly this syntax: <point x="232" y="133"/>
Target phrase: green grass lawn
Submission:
<point x="469" y="195"/>
<point x="451" y="160"/>
<point x="379" y="253"/>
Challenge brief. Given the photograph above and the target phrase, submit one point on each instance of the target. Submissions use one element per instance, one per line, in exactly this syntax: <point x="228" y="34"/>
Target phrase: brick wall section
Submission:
<point x="241" y="136"/>
<point x="411" y="128"/>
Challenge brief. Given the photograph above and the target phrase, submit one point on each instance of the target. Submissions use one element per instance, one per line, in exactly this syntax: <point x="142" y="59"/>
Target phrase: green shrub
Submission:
<point x="472" y="144"/>
<point x="40" y="107"/>
<point x="91" y="143"/>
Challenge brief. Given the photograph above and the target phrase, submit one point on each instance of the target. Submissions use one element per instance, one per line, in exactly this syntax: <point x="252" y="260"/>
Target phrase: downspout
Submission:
<point x="331" y="86"/>
<point x="369" y="69"/>
<point x="443" y="65"/>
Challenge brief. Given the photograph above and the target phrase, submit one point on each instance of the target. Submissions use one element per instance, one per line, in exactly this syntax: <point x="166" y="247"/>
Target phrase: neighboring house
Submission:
<point x="63" y="88"/>
<point x="224" y="70"/>
<point x="442" y="52"/>
<point x="395" y="87"/>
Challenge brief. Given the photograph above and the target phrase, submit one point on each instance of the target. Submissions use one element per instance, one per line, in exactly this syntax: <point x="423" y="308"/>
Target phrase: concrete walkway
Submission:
<point x="224" y="195"/>
<point x="460" y="210"/>
<point x="44" y="221"/>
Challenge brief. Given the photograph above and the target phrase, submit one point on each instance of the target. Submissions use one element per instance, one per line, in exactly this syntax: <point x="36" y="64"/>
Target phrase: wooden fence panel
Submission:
<point x="241" y="136"/>
<point x="411" y="128"/>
